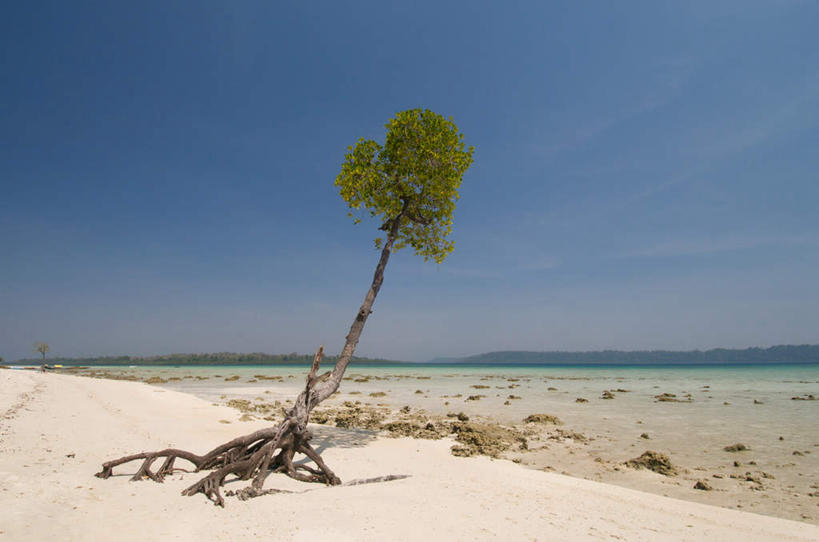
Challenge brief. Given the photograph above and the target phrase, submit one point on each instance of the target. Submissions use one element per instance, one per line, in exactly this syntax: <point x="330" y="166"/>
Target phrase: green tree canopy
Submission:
<point x="413" y="178"/>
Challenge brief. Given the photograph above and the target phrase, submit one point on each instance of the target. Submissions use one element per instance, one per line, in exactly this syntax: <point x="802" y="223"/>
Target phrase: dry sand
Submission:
<point x="56" y="430"/>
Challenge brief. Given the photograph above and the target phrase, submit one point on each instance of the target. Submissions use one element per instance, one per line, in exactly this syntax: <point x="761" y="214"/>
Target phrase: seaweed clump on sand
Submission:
<point x="653" y="461"/>
<point x="738" y="447"/>
<point x="542" y="419"/>
<point x="485" y="439"/>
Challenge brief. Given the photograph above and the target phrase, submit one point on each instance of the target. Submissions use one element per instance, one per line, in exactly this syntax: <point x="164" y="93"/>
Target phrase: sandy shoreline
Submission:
<point x="57" y="429"/>
<point x="596" y="440"/>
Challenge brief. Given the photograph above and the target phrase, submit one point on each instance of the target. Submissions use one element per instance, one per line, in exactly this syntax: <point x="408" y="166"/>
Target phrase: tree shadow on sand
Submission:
<point x="336" y="437"/>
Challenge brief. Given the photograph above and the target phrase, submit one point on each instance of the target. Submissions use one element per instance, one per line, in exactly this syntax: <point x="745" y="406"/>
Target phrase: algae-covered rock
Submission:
<point x="607" y="395"/>
<point x="671" y="398"/>
<point x="653" y="461"/>
<point x="543" y="419"/>
<point x="319" y="416"/>
<point x="702" y="485"/>
<point x="242" y="405"/>
<point x="738" y="447"/>
<point x="581" y="400"/>
<point x="430" y="430"/>
<point x="359" y="417"/>
<point x="156" y="380"/>
<point x="485" y="439"/>
<point x="401" y="428"/>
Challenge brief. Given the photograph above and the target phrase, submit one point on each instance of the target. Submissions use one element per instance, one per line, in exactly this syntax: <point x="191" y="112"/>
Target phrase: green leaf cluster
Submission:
<point x="413" y="178"/>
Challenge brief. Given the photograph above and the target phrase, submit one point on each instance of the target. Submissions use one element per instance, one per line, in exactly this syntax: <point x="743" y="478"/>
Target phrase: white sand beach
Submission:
<point x="56" y="430"/>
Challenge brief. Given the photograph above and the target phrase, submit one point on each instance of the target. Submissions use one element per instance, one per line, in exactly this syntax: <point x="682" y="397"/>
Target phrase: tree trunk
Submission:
<point x="332" y="384"/>
<point x="255" y="455"/>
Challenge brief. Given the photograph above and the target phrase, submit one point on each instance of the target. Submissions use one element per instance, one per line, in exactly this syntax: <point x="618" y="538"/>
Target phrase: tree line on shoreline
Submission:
<point x="774" y="354"/>
<point x="211" y="358"/>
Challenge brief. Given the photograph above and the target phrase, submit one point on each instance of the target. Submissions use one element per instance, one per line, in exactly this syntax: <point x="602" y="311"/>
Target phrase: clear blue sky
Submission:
<point x="646" y="175"/>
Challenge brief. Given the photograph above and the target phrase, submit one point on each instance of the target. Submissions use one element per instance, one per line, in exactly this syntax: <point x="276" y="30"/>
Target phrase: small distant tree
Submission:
<point x="42" y="348"/>
<point x="409" y="184"/>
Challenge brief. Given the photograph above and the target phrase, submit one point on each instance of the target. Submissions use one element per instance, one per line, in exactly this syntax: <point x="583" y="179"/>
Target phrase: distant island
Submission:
<point x="775" y="354"/>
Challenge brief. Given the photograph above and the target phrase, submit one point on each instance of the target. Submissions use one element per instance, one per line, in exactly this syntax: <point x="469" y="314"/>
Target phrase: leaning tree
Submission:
<point x="410" y="184"/>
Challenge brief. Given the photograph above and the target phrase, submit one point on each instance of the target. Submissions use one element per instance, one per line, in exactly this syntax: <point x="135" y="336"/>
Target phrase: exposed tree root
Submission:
<point x="253" y="456"/>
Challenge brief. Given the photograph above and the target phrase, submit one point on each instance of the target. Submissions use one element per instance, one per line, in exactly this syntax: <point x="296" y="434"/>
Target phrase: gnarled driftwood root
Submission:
<point x="253" y="456"/>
